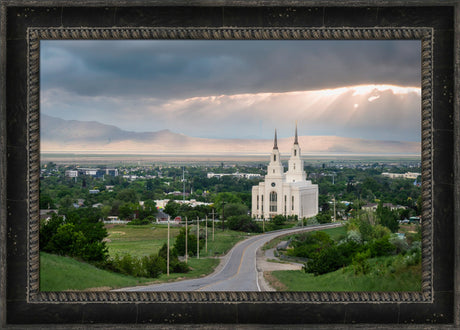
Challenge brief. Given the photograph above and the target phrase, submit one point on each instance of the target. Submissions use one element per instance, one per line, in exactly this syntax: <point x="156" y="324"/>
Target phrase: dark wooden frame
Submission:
<point x="24" y="21"/>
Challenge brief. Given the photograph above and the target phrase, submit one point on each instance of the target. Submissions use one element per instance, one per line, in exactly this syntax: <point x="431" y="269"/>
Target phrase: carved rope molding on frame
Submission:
<point x="37" y="34"/>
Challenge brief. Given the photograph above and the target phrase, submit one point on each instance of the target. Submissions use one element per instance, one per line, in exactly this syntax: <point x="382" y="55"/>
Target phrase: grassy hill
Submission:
<point x="59" y="273"/>
<point x="380" y="278"/>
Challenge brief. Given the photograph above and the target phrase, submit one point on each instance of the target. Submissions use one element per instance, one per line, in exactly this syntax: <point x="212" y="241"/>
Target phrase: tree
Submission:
<point x="279" y="220"/>
<point x="80" y="235"/>
<point x="149" y="209"/>
<point x="243" y="223"/>
<point x="46" y="202"/>
<point x="172" y="208"/>
<point x="387" y="218"/>
<point x="235" y="209"/>
<point x="324" y="217"/>
<point x="179" y="244"/>
<point x="228" y="198"/>
<point x="149" y="185"/>
<point x="126" y="211"/>
<point x="128" y="195"/>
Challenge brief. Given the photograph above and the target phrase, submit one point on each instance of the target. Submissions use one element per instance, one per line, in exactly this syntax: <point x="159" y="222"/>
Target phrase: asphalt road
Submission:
<point x="237" y="270"/>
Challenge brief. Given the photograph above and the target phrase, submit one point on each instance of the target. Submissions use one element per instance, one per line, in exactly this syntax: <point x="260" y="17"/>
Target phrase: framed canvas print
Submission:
<point x="229" y="164"/>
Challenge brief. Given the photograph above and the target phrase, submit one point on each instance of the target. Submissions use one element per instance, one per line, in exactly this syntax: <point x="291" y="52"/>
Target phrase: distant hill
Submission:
<point x="59" y="135"/>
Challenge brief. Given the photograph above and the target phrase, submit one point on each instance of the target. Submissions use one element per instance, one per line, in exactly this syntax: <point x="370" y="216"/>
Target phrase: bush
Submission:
<point x="324" y="217"/>
<point x="154" y="265"/>
<point x="138" y="222"/>
<point x="179" y="244"/>
<point x="128" y="265"/>
<point x="243" y="223"/>
<point x="354" y="236"/>
<point x="175" y="266"/>
<point x="311" y="221"/>
<point x="380" y="231"/>
<point x="80" y="235"/>
<point x="327" y="260"/>
<point x="279" y="220"/>
<point x="360" y="263"/>
<point x="381" y="247"/>
<point x="348" y="249"/>
<point x="307" y="244"/>
<point x="400" y="244"/>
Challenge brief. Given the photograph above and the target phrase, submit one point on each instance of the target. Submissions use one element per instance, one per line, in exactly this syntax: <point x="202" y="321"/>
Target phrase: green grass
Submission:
<point x="404" y="279"/>
<point x="199" y="268"/>
<point x="336" y="233"/>
<point x="139" y="241"/>
<point x="144" y="240"/>
<point x="223" y="242"/>
<point x="59" y="273"/>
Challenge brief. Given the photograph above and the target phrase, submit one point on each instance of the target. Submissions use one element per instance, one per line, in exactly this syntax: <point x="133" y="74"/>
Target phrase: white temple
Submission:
<point x="286" y="193"/>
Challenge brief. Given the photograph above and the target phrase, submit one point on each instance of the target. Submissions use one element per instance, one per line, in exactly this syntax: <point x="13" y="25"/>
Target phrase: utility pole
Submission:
<point x="186" y="240"/>
<point x="183" y="182"/>
<point x="206" y="236"/>
<point x="213" y="224"/>
<point x="167" y="254"/>
<point x="197" y="238"/>
<point x="186" y="229"/>
<point x="223" y="217"/>
<point x="334" y="211"/>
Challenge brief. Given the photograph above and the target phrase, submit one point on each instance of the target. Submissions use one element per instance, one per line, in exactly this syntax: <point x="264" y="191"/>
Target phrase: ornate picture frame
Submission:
<point x="27" y="25"/>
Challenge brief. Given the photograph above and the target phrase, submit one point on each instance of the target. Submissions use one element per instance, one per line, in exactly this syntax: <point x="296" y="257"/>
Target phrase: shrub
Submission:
<point x="400" y="243"/>
<point x="354" y="235"/>
<point x="80" y="235"/>
<point x="311" y="221"/>
<point x="138" y="222"/>
<point x="324" y="217"/>
<point x="307" y="244"/>
<point x="243" y="223"/>
<point x="128" y="265"/>
<point x="154" y="265"/>
<point x="381" y="247"/>
<point x="327" y="260"/>
<point x="348" y="249"/>
<point x="360" y="263"/>
<point x="380" y="231"/>
<point x="179" y="244"/>
<point x="175" y="265"/>
<point x="279" y="220"/>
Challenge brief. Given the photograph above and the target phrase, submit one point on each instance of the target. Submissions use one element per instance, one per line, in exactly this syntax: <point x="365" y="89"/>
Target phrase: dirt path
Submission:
<point x="264" y="266"/>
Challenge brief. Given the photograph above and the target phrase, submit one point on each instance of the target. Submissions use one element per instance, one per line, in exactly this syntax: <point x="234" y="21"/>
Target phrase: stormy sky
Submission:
<point x="237" y="89"/>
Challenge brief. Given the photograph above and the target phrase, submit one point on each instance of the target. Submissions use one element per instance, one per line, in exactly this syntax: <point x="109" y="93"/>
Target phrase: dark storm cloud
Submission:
<point x="180" y="69"/>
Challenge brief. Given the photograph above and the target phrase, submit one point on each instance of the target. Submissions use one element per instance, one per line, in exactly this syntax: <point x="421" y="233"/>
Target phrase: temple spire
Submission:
<point x="275" y="146"/>
<point x="296" y="141"/>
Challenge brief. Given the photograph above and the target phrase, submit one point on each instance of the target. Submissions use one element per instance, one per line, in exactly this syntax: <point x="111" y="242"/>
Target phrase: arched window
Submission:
<point x="295" y="152"/>
<point x="273" y="201"/>
<point x="292" y="203"/>
<point x="274" y="158"/>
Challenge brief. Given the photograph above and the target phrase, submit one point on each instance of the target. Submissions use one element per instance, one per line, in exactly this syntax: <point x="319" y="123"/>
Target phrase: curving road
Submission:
<point x="236" y="272"/>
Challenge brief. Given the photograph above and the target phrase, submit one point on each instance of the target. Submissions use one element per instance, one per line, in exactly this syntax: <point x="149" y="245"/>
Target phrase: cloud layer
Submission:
<point x="229" y="89"/>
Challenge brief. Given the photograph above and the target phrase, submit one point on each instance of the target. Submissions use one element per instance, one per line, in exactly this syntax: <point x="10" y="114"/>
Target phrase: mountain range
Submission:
<point x="91" y="137"/>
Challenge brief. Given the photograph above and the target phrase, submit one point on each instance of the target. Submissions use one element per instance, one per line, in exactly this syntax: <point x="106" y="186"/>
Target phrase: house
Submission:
<point x="162" y="217"/>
